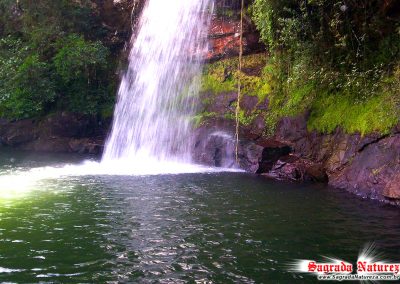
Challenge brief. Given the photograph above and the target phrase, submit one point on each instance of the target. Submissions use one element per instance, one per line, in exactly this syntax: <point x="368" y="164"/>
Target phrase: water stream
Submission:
<point x="157" y="95"/>
<point x="145" y="214"/>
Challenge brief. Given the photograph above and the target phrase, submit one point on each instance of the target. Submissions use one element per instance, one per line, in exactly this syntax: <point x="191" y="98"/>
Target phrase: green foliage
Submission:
<point x="262" y="12"/>
<point x="26" y="88"/>
<point x="336" y="59"/>
<point x="335" y="32"/>
<point x="199" y="118"/>
<point x="245" y="118"/>
<point x="222" y="77"/>
<point x="77" y="58"/>
<point x="356" y="101"/>
<point x="81" y="67"/>
<point x="52" y="58"/>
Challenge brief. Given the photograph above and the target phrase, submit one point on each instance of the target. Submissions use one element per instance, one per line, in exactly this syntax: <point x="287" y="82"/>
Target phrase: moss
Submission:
<point x="344" y="102"/>
<point x="215" y="84"/>
<point x="328" y="111"/>
<point x="253" y="86"/>
<point x="376" y="114"/>
<point x="245" y="118"/>
<point x="222" y="76"/>
<point x="356" y="108"/>
<point x="199" y="118"/>
<point x="288" y="102"/>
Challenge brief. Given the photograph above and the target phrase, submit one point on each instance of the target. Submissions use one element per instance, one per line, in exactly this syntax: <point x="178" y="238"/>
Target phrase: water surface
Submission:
<point x="219" y="227"/>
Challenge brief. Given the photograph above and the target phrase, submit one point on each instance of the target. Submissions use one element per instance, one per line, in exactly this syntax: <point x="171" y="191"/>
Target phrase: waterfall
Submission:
<point x="157" y="95"/>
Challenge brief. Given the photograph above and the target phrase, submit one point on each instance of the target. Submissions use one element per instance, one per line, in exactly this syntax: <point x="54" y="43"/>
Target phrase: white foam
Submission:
<point x="157" y="94"/>
<point x="20" y="182"/>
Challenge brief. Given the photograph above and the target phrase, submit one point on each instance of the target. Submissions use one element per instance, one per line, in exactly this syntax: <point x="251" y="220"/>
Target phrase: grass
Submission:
<point x="375" y="114"/>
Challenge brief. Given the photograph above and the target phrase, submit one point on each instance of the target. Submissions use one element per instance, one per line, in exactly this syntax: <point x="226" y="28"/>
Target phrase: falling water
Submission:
<point x="156" y="99"/>
<point x="157" y="94"/>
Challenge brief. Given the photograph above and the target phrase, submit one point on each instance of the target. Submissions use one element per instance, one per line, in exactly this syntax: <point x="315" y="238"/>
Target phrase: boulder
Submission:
<point x="58" y="133"/>
<point x="18" y="132"/>
<point x="66" y="124"/>
<point x="272" y="151"/>
<point x="392" y="188"/>
<point x="214" y="144"/>
<point x="294" y="168"/>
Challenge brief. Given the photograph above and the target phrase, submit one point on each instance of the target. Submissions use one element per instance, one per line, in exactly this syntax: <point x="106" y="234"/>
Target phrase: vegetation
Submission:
<point x="222" y="77"/>
<point x="52" y="58"/>
<point x="337" y="59"/>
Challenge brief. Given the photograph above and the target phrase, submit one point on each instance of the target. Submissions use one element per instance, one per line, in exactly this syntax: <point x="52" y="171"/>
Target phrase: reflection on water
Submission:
<point x="18" y="181"/>
<point x="220" y="227"/>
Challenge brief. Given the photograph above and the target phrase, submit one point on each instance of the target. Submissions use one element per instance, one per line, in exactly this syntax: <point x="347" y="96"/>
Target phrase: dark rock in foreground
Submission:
<point x="368" y="166"/>
<point x="57" y="133"/>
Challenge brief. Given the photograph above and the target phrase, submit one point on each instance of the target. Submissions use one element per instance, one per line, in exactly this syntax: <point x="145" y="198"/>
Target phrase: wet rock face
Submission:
<point x="224" y="34"/>
<point x="293" y="168"/>
<point x="272" y="152"/>
<point x="368" y="166"/>
<point x="279" y="161"/>
<point x="60" y="132"/>
<point x="66" y="124"/>
<point x="214" y="144"/>
<point x="392" y="188"/>
<point x="224" y="38"/>
<point x="373" y="170"/>
<point x="17" y="133"/>
<point x="119" y="18"/>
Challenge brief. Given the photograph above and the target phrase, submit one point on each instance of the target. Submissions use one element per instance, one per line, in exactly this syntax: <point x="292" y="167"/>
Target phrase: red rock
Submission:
<point x="224" y="38"/>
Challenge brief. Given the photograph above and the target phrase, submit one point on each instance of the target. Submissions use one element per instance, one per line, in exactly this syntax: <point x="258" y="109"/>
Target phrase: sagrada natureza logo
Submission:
<point x="369" y="267"/>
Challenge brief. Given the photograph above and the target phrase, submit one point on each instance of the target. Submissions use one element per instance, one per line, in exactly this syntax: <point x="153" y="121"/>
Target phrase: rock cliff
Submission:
<point x="365" y="165"/>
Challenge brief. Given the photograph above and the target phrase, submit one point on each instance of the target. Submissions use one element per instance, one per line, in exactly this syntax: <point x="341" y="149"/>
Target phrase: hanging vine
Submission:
<point x="237" y="111"/>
